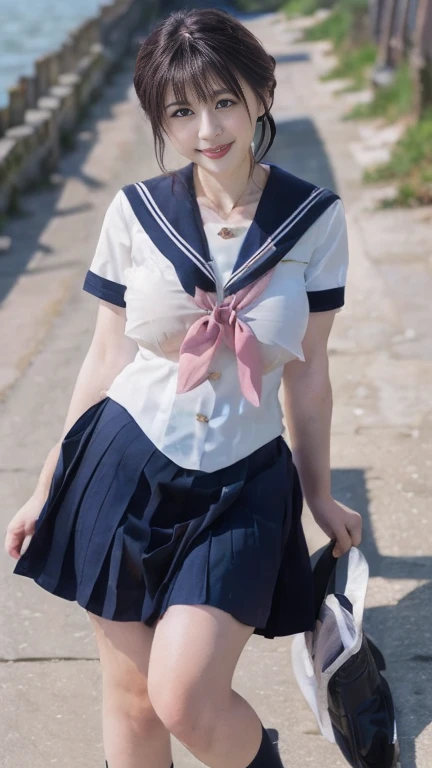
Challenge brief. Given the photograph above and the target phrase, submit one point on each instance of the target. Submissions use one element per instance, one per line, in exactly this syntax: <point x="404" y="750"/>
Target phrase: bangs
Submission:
<point x="193" y="54"/>
<point x="190" y="73"/>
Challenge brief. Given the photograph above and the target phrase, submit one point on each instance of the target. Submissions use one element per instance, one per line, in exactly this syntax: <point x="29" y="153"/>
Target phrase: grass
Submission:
<point x="355" y="64"/>
<point x="257" y="6"/>
<point x="335" y="27"/>
<point x="355" y="60"/>
<point x="302" y="7"/>
<point x="410" y="165"/>
<point x="391" y="102"/>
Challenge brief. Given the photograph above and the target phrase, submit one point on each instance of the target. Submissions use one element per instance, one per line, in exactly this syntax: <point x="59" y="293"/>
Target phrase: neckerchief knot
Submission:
<point x="222" y="324"/>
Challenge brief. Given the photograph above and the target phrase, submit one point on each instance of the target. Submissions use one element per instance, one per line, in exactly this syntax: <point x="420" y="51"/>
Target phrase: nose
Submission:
<point x="209" y="126"/>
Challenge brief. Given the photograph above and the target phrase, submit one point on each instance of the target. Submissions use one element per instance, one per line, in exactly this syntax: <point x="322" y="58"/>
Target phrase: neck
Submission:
<point x="226" y="190"/>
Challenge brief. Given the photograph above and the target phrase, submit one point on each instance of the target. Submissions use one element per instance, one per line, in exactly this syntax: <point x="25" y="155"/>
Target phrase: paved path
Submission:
<point x="382" y="427"/>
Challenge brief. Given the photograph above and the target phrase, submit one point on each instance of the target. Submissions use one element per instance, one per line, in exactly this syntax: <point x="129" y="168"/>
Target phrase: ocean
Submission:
<point x="31" y="28"/>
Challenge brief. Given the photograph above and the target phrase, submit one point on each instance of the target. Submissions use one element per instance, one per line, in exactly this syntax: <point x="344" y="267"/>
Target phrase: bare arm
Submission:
<point x="308" y="405"/>
<point x="109" y="352"/>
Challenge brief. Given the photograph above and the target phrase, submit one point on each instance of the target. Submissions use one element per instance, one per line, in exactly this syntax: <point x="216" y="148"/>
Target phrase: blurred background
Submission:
<point x="353" y="109"/>
<point x="29" y="30"/>
<point x="385" y="45"/>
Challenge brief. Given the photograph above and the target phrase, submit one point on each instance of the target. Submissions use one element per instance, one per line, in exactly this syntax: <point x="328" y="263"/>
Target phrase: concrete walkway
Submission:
<point x="382" y="427"/>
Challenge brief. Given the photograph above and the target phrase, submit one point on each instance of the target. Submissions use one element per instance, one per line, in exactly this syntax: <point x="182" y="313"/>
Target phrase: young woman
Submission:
<point x="171" y="507"/>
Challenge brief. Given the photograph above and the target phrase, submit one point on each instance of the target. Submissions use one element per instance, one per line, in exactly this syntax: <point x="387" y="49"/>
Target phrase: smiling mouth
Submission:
<point x="215" y="149"/>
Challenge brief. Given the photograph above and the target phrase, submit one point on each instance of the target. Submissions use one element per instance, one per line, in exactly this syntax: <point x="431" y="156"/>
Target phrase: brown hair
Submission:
<point x="190" y="50"/>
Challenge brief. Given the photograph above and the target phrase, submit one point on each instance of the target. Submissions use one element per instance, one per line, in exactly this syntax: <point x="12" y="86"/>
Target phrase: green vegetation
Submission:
<point x="14" y="207"/>
<point x="346" y="28"/>
<point x="336" y="27"/>
<point x="410" y="165"/>
<point x="355" y="64"/>
<point x="391" y="102"/>
<point x="304" y="7"/>
<point x="256" y="6"/>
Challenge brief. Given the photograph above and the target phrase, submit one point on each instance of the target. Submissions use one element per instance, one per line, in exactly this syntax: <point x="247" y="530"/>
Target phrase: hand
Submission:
<point x="338" y="522"/>
<point x="22" y="525"/>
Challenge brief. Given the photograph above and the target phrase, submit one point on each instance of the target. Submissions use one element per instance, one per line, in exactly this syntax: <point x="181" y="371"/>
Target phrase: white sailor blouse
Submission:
<point x="210" y="352"/>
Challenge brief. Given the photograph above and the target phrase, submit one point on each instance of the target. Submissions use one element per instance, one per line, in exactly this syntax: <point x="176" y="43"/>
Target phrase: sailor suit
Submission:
<point x="178" y="487"/>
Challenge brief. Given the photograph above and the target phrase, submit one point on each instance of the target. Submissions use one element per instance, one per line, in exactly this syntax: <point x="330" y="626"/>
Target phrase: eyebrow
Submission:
<point x="213" y="95"/>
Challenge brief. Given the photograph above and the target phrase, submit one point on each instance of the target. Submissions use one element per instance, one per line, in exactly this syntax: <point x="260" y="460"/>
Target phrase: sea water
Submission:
<point x="32" y="28"/>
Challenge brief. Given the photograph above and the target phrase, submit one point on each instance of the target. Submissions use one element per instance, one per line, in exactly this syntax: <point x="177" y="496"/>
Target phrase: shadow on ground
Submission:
<point x="40" y="205"/>
<point x="402" y="630"/>
<point x="299" y="149"/>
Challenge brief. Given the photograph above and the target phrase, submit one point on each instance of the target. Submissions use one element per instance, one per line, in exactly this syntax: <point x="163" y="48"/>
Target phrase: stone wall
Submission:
<point x="46" y="107"/>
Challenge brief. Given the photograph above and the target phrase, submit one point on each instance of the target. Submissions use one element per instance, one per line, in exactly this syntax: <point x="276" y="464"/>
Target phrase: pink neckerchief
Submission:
<point x="222" y="324"/>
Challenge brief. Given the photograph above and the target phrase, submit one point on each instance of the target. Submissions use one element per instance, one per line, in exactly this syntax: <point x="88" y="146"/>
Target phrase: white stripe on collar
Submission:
<point x="279" y="232"/>
<point x="198" y="259"/>
<point x="172" y="233"/>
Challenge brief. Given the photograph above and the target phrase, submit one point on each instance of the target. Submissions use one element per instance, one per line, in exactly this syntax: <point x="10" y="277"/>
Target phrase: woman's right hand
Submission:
<point x="22" y="525"/>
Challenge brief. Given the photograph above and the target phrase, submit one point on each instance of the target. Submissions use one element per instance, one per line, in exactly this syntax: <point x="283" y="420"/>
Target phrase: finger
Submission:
<point x="355" y="531"/>
<point x="343" y="542"/>
<point x="328" y="530"/>
<point x="13" y="543"/>
<point x="13" y="552"/>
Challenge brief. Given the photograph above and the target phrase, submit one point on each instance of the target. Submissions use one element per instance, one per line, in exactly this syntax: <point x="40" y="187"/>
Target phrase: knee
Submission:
<point x="183" y="708"/>
<point x="127" y="697"/>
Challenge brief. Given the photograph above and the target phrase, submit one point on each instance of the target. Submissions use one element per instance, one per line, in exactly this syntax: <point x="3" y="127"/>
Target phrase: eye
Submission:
<point x="182" y="109"/>
<point x="225" y="103"/>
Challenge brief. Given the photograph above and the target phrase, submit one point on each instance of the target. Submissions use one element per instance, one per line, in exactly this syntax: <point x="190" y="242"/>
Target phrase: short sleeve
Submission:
<point x="325" y="274"/>
<point x="105" y="277"/>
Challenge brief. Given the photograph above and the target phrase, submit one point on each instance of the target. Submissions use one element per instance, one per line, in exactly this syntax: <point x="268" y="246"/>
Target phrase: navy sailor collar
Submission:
<point x="167" y="209"/>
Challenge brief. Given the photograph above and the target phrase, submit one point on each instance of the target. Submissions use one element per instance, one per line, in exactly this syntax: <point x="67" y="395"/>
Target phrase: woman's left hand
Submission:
<point x="338" y="522"/>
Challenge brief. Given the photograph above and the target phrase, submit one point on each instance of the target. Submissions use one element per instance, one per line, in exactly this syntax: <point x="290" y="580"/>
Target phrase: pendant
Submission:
<point x="226" y="233"/>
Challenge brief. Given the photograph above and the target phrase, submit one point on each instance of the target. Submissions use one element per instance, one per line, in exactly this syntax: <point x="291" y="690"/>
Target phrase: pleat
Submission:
<point x="126" y="532"/>
<point x="189" y="583"/>
<point x="73" y="505"/>
<point x="75" y="443"/>
<point x="96" y="531"/>
<point x="48" y="546"/>
<point x="292" y="599"/>
<point x="122" y="568"/>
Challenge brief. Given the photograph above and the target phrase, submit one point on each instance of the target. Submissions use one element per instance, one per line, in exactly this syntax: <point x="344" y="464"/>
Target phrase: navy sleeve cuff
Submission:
<point x="322" y="301"/>
<point x="104" y="289"/>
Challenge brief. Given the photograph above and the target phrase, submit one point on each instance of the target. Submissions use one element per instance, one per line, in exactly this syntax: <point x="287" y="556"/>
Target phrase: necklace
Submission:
<point x="226" y="233"/>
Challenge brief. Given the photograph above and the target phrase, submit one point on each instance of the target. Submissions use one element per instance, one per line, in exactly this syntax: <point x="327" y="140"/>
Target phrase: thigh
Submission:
<point x="124" y="650"/>
<point x="195" y="650"/>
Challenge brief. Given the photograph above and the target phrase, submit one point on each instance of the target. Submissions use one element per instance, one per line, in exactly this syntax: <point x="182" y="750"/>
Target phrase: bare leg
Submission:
<point x="134" y="736"/>
<point x="194" y="654"/>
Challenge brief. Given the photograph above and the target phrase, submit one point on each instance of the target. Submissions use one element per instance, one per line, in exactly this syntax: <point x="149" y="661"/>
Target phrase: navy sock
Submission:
<point x="268" y="756"/>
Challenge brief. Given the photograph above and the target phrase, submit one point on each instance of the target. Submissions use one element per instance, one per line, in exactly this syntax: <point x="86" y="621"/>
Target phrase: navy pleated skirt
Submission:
<point x="126" y="532"/>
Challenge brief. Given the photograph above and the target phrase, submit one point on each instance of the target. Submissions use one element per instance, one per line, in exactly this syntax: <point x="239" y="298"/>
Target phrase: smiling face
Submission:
<point x="215" y="133"/>
<point x="187" y="57"/>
